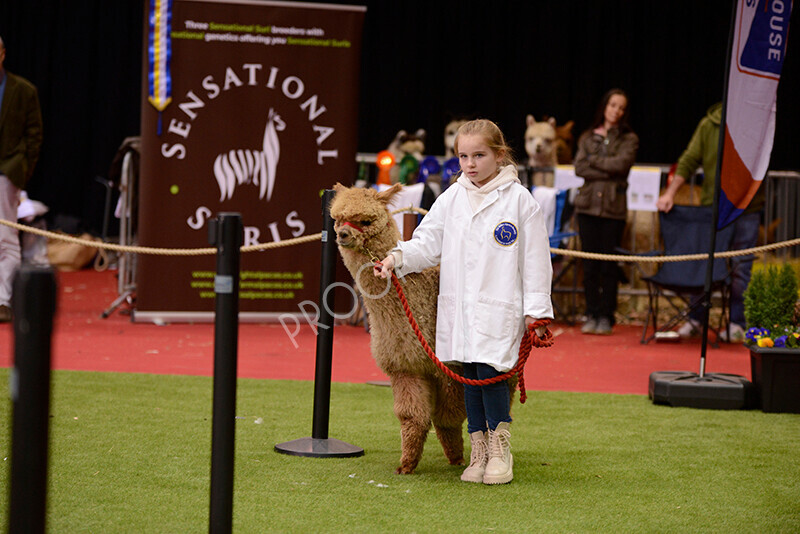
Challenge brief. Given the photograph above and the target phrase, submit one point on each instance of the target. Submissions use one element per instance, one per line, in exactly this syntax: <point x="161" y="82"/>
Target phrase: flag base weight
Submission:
<point x="319" y="448"/>
<point x="716" y="391"/>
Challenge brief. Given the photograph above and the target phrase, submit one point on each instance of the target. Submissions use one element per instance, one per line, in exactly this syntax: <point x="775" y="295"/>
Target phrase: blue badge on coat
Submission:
<point x="505" y="233"/>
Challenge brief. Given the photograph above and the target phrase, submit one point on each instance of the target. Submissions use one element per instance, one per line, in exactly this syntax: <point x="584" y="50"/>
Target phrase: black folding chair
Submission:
<point x="687" y="230"/>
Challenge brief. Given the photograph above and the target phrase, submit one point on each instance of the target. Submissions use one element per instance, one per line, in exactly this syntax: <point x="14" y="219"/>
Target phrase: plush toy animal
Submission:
<point x="405" y="143"/>
<point x="402" y="146"/>
<point x="423" y="394"/>
<point x="540" y="145"/>
<point x="450" y="131"/>
<point x="565" y="143"/>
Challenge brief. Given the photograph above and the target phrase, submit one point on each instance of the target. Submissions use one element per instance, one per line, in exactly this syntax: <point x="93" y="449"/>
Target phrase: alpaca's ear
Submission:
<point x="338" y="187"/>
<point x="386" y="196"/>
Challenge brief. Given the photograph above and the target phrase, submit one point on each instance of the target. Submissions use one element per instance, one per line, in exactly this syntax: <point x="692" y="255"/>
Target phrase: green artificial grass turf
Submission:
<point x="131" y="453"/>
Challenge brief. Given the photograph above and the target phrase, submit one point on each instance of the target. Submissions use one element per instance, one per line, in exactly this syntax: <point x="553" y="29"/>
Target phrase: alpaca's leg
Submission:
<point x="449" y="414"/>
<point x="412" y="406"/>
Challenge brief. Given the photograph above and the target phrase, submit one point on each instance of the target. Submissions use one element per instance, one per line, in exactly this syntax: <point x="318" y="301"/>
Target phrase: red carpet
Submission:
<point x="82" y="340"/>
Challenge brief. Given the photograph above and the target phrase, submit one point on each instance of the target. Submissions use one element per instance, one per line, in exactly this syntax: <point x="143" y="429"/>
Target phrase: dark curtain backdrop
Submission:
<point x="423" y="62"/>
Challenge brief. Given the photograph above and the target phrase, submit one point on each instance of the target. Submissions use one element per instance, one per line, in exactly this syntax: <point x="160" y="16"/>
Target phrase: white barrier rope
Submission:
<point x="649" y="259"/>
<point x="316" y="237"/>
<point x="154" y="250"/>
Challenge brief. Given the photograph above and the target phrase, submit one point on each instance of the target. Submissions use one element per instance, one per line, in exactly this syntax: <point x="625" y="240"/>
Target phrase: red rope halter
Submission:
<point x="529" y="340"/>
<point x="354" y="225"/>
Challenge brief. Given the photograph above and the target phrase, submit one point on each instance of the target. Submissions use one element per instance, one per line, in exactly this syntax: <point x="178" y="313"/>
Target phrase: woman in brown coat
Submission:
<point x="606" y="152"/>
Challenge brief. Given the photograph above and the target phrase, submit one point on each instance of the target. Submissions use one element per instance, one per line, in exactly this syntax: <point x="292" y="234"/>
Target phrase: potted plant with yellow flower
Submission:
<point x="772" y="312"/>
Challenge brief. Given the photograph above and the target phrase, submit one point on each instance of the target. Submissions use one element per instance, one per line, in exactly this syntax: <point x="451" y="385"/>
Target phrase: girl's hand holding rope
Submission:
<point x="539" y="329"/>
<point x="384" y="268"/>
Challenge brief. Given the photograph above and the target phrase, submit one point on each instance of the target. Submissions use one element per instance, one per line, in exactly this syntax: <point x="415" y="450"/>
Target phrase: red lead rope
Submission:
<point x="529" y="340"/>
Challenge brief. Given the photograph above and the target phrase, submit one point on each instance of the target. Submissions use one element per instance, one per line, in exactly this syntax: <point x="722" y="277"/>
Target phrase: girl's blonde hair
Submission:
<point x="492" y="136"/>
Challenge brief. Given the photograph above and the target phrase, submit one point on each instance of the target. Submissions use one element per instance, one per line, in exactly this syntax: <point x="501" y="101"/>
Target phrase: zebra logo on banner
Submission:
<point x="241" y="166"/>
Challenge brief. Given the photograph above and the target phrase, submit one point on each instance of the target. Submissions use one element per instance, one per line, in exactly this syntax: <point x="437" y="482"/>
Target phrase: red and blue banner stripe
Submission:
<point x="758" y="49"/>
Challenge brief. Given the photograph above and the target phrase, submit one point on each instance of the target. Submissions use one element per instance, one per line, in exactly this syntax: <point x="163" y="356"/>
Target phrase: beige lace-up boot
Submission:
<point x="499" y="468"/>
<point x="477" y="458"/>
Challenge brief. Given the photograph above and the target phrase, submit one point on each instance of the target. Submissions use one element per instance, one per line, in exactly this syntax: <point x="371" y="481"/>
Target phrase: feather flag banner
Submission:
<point x="758" y="49"/>
<point x="159" y="52"/>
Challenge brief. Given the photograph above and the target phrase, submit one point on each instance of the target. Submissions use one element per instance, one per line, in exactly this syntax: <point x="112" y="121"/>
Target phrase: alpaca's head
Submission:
<point x="361" y="220"/>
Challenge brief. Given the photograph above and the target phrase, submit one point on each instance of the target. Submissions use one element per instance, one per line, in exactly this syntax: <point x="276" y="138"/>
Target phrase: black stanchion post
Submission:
<point x="319" y="444"/>
<point x="34" y="304"/>
<point x="324" y="357"/>
<point x="226" y="233"/>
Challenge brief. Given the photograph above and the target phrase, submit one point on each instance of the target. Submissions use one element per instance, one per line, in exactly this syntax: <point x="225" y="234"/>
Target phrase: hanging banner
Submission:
<point x="758" y="49"/>
<point x="263" y="117"/>
<point x="159" y="44"/>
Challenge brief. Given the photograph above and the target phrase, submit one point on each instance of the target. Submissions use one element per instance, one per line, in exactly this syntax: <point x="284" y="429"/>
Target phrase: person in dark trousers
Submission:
<point x="606" y="152"/>
<point x="20" y="141"/>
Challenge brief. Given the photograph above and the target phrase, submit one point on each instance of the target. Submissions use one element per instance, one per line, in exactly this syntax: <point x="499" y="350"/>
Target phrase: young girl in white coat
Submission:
<point x="489" y="235"/>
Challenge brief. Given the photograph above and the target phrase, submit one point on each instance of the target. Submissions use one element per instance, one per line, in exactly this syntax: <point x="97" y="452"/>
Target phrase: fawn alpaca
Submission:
<point x="422" y="394"/>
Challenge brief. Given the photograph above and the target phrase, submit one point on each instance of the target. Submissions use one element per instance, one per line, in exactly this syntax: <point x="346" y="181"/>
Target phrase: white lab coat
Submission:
<point x="486" y="288"/>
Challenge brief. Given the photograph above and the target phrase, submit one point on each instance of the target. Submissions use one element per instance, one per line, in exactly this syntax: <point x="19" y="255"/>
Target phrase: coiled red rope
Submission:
<point x="529" y="340"/>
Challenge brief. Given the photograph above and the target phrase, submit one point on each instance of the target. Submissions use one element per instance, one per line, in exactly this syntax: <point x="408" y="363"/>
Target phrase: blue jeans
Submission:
<point x="745" y="235"/>
<point x="486" y="405"/>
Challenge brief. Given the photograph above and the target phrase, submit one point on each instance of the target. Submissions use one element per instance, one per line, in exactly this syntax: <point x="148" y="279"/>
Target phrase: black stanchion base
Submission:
<point x="716" y="391"/>
<point x="319" y="448"/>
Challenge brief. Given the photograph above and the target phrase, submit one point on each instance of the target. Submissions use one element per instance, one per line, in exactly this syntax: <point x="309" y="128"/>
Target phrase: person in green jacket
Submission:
<point x="702" y="152"/>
